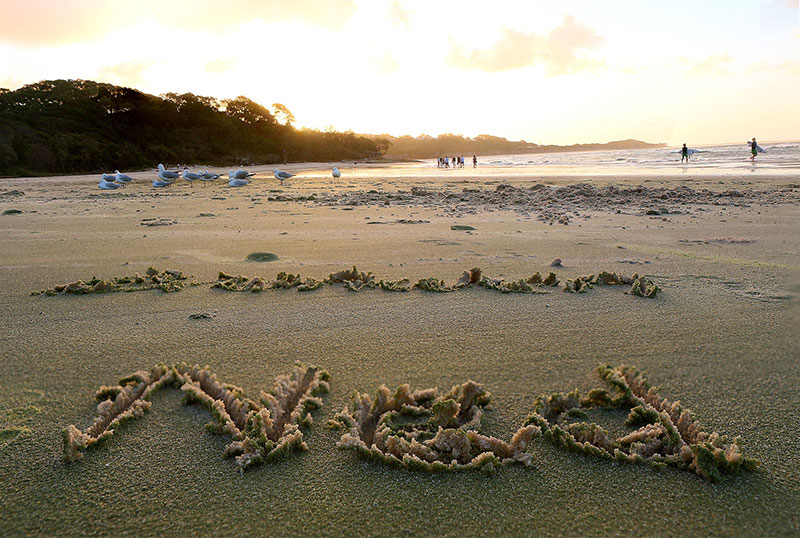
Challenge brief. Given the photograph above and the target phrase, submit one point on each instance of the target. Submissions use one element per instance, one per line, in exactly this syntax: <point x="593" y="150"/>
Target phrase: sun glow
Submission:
<point x="522" y="70"/>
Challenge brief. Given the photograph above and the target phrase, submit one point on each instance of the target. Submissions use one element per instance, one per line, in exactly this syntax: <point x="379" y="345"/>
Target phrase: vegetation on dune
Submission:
<point x="260" y="430"/>
<point x="68" y="126"/>
<point x="423" y="430"/>
<point x="667" y="432"/>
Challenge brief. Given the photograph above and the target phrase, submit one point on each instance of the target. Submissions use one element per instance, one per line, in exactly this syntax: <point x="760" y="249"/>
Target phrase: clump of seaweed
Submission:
<point x="395" y="285"/>
<point x="579" y="284"/>
<point x="434" y="285"/>
<point x="357" y="279"/>
<point x="261" y="430"/>
<point x="644" y="287"/>
<point x="167" y="281"/>
<point x="423" y="430"/>
<point x="667" y="433"/>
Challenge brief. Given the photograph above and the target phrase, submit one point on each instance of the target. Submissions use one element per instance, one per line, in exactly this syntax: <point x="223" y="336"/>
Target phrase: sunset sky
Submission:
<point x="547" y="72"/>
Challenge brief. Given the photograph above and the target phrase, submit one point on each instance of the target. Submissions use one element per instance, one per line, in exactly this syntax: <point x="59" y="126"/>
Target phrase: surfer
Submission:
<point x="753" y="149"/>
<point x="685" y="153"/>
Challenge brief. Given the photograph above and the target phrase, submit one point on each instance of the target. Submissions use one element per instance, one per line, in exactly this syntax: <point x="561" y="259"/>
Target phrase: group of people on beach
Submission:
<point x="456" y="162"/>
<point x="685" y="151"/>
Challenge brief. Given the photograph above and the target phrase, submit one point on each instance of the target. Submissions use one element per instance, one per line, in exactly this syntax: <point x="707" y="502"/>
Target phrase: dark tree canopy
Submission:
<point x="69" y="126"/>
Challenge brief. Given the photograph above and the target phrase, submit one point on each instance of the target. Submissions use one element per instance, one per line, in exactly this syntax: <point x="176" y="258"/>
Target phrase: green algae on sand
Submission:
<point x="260" y="431"/>
<point x="167" y="281"/>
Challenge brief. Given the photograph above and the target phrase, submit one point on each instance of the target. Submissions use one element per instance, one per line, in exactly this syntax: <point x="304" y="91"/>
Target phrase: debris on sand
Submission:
<point x="158" y="222"/>
<point x="556" y="263"/>
<point x="462" y="227"/>
<point x="423" y="430"/>
<point x="262" y="257"/>
<point x="167" y="281"/>
<point x="261" y="431"/>
<point x="644" y="287"/>
<point x="12" y="212"/>
<point x="667" y="434"/>
<point x="203" y="315"/>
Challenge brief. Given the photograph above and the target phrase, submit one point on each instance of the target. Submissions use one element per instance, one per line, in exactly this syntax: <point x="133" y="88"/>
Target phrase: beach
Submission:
<point x="721" y="337"/>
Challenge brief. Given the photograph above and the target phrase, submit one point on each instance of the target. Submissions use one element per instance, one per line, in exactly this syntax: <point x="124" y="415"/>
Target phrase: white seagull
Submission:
<point x="158" y="183"/>
<point x="108" y="185"/>
<point x="336" y="173"/>
<point x="123" y="178"/>
<point x="109" y="177"/>
<point x="190" y="176"/>
<point x="237" y="182"/>
<point x="281" y="176"/>
<point x="208" y="175"/>
<point x="166" y="175"/>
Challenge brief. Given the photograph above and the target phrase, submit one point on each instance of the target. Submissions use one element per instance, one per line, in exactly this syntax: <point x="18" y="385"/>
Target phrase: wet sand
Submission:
<point x="722" y="338"/>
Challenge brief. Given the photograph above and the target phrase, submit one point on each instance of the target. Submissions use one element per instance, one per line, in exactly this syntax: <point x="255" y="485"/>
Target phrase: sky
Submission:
<point x="702" y="72"/>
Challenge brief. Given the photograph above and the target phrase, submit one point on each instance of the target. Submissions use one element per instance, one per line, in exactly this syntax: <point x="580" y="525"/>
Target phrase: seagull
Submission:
<point x="336" y="173"/>
<point x="157" y="183"/>
<point x="190" y="176"/>
<point x="109" y="177"/>
<point x="237" y="182"/>
<point x="240" y="174"/>
<point x="124" y="178"/>
<point x="108" y="185"/>
<point x="166" y="175"/>
<point x="281" y="175"/>
<point x="207" y="176"/>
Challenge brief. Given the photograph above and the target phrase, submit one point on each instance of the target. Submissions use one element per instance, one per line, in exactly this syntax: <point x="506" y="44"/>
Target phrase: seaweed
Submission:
<point x="350" y="275"/>
<point x="667" y="433"/>
<point x="644" y="287"/>
<point x="424" y="430"/>
<point x="167" y="281"/>
<point x="260" y="431"/>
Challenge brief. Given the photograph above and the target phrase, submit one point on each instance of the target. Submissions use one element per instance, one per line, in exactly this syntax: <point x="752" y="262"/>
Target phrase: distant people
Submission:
<point x="684" y="153"/>
<point x="474" y="161"/>
<point x="753" y="149"/>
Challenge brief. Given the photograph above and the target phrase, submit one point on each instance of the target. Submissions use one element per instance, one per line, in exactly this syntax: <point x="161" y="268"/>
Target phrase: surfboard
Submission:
<point x="758" y="148"/>
<point x="689" y="152"/>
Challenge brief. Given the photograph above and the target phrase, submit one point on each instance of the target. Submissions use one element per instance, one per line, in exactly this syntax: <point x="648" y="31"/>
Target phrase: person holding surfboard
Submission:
<point x="753" y="149"/>
<point x="684" y="153"/>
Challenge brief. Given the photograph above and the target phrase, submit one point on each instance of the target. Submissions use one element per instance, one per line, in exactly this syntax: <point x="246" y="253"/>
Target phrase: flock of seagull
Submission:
<point x="236" y="178"/>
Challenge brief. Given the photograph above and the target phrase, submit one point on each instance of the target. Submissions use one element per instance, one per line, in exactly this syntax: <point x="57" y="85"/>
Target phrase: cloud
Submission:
<point x="398" y="14"/>
<point x="50" y="23"/>
<point x="219" y="65"/>
<point x="385" y="64"/>
<point x="561" y="51"/>
<point x="715" y="64"/>
<point x="125" y="74"/>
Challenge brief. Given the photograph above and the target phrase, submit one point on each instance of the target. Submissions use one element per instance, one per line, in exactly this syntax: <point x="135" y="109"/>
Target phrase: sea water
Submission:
<point x="780" y="159"/>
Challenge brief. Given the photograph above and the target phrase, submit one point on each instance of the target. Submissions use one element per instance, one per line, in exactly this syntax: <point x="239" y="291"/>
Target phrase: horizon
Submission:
<point x="519" y="70"/>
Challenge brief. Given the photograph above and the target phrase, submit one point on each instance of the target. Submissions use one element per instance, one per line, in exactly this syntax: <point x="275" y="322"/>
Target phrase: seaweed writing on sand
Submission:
<point x="260" y="430"/>
<point x="166" y="281"/>
<point x="667" y="432"/>
<point x="424" y="430"/>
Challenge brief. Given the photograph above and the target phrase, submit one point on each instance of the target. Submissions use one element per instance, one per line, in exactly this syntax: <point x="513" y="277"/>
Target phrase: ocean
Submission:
<point x="780" y="159"/>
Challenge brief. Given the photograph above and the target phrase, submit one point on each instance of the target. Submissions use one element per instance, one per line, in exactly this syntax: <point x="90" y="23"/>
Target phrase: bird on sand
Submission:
<point x="190" y="176"/>
<point x="240" y="174"/>
<point x="122" y="178"/>
<point x="108" y="185"/>
<point x="233" y="182"/>
<point x="336" y="173"/>
<point x="158" y="183"/>
<point x="281" y="176"/>
<point x="166" y="175"/>
<point x="109" y="177"/>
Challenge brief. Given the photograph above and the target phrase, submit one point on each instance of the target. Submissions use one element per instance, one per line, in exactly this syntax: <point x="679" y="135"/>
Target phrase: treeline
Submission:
<point x="70" y="126"/>
<point x="428" y="147"/>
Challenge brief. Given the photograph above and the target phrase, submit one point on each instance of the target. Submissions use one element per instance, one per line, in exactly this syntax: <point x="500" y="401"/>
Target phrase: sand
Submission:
<point x="721" y="338"/>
